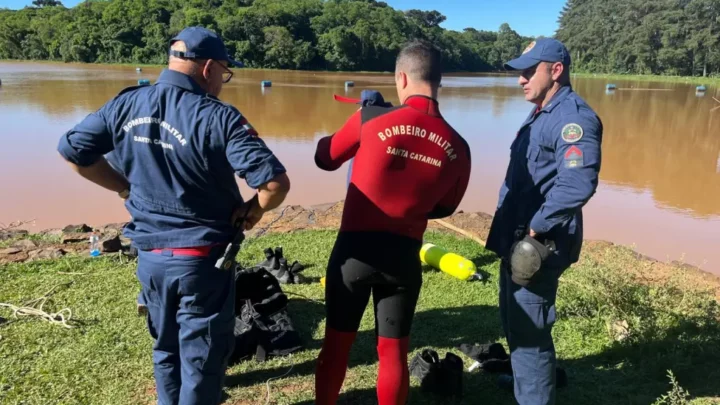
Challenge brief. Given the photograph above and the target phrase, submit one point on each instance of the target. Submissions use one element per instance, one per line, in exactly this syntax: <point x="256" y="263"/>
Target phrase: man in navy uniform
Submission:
<point x="537" y="227"/>
<point x="177" y="148"/>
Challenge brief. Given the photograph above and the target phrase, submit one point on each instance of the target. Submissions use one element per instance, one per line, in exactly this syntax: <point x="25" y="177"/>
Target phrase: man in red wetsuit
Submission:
<point x="409" y="166"/>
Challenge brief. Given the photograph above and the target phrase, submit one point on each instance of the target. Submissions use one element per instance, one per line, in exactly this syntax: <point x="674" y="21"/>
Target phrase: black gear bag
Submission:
<point x="263" y="326"/>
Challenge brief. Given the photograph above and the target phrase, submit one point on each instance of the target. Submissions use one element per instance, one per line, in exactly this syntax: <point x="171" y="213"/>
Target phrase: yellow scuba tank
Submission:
<point x="448" y="262"/>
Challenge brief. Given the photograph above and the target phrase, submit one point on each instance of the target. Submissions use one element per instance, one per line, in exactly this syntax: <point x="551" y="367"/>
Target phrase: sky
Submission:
<point x="527" y="17"/>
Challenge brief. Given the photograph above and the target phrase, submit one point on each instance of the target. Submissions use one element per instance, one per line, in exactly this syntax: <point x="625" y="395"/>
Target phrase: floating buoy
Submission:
<point x="143" y="82"/>
<point x="700" y="88"/>
<point x="266" y="83"/>
<point x="610" y="86"/>
<point x="138" y="69"/>
<point x="349" y="84"/>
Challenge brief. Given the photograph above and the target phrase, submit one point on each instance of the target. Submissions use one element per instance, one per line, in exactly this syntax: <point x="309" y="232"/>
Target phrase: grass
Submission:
<point x="707" y="81"/>
<point x="106" y="357"/>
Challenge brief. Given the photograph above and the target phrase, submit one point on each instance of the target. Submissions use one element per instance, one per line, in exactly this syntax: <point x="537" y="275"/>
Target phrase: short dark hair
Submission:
<point x="421" y="60"/>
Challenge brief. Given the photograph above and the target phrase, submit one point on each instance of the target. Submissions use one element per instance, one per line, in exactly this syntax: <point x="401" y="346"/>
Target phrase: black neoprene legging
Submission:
<point x="388" y="265"/>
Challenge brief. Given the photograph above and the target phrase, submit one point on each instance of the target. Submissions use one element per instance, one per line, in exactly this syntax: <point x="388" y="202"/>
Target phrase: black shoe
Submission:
<point x="497" y="366"/>
<point x="296" y="267"/>
<point x="491" y="357"/>
<point x="451" y="371"/>
<point x="483" y="353"/>
<point x="425" y="366"/>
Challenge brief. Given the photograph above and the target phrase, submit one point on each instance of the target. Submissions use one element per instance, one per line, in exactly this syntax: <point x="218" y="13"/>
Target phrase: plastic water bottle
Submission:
<point x="94" y="245"/>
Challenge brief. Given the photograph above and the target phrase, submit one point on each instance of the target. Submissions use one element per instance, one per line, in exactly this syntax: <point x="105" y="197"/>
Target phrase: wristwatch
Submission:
<point x="124" y="194"/>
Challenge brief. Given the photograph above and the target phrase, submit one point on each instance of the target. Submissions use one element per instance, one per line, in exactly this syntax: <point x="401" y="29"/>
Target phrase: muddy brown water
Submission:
<point x="660" y="180"/>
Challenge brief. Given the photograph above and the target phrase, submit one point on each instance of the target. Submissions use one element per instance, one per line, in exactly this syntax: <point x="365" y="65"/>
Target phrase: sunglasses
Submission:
<point x="227" y="74"/>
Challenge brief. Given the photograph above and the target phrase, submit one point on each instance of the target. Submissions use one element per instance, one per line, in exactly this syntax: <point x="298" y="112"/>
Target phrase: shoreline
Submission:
<point x="18" y="246"/>
<point x="707" y="81"/>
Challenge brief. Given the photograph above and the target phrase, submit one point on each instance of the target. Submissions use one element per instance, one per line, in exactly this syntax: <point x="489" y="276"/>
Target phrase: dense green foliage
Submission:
<point x="672" y="37"/>
<point x="287" y="34"/>
<point x="666" y="37"/>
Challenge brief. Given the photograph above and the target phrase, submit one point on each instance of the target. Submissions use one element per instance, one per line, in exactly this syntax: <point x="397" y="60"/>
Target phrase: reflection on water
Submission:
<point x="660" y="180"/>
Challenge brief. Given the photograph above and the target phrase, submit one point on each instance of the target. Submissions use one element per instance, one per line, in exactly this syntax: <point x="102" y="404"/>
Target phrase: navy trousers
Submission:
<point x="191" y="307"/>
<point x="528" y="316"/>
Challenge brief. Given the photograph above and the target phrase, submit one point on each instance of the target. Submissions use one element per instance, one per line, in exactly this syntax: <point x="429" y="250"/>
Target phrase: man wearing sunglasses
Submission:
<point x="175" y="152"/>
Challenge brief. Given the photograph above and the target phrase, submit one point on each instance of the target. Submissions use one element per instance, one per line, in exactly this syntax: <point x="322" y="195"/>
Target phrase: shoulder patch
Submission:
<point x="248" y="127"/>
<point x="573" y="157"/>
<point x="572" y="133"/>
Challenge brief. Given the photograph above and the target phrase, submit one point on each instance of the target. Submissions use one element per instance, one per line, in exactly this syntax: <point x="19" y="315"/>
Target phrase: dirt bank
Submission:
<point x="20" y="246"/>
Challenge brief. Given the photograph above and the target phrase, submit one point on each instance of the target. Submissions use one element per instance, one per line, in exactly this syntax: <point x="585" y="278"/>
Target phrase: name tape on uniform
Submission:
<point x="152" y="120"/>
<point x="411" y="130"/>
<point x="413" y="156"/>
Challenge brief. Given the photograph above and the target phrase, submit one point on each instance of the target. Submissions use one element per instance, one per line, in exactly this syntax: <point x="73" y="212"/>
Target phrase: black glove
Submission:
<point x="276" y="264"/>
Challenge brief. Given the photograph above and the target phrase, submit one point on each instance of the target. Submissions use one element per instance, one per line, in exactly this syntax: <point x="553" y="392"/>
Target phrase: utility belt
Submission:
<point x="226" y="253"/>
<point x="527" y="256"/>
<point x="199" y="251"/>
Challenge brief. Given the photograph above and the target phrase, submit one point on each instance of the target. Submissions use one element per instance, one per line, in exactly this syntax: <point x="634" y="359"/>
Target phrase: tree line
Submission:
<point x="283" y="34"/>
<point x="670" y="37"/>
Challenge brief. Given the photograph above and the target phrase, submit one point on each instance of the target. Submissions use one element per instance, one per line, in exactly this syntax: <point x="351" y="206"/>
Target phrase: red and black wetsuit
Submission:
<point x="409" y="166"/>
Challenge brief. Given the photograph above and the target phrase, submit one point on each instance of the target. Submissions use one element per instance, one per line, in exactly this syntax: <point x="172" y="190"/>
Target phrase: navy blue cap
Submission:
<point x="201" y="43"/>
<point x="367" y="97"/>
<point x="542" y="50"/>
<point x="371" y="97"/>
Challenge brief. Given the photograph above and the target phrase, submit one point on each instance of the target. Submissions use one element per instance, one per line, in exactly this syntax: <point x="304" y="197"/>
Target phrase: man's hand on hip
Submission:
<point x="248" y="214"/>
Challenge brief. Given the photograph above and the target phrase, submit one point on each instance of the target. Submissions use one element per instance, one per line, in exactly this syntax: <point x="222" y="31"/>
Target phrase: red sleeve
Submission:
<point x="332" y="151"/>
<point x="450" y="201"/>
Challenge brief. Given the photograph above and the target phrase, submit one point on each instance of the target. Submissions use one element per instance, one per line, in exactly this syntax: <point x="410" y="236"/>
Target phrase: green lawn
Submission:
<point x="106" y="357"/>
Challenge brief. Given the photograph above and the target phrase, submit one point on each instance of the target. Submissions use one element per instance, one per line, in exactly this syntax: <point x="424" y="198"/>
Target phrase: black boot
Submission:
<point x="271" y="260"/>
<point x="296" y="267"/>
<point x="283" y="273"/>
<point x="451" y="376"/>
<point x="425" y="366"/>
